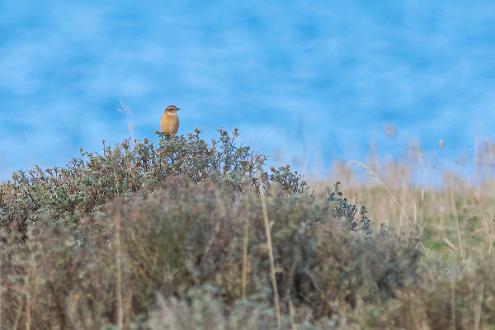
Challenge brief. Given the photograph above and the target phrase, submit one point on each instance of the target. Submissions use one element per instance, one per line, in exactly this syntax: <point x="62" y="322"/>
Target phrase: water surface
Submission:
<point x="317" y="80"/>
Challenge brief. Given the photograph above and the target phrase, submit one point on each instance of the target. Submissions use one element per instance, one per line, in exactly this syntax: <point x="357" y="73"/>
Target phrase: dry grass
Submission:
<point x="456" y="218"/>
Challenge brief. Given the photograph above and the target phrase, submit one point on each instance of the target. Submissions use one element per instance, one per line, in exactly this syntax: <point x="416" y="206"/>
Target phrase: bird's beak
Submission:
<point x="178" y="109"/>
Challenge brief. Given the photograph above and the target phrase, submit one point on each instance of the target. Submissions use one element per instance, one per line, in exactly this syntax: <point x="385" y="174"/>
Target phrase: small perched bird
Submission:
<point x="169" y="124"/>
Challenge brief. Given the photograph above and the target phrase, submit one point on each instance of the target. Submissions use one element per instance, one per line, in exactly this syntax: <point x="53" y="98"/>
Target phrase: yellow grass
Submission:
<point x="456" y="218"/>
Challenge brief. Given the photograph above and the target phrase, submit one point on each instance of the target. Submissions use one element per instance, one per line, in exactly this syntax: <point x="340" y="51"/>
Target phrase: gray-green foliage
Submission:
<point x="164" y="223"/>
<point x="87" y="183"/>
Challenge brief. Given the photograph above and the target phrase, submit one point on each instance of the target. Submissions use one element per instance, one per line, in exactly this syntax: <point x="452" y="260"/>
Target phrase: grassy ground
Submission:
<point x="190" y="234"/>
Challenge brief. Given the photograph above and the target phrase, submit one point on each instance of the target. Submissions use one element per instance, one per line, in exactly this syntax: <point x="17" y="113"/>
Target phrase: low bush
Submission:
<point x="85" y="184"/>
<point x="185" y="236"/>
<point x="146" y="237"/>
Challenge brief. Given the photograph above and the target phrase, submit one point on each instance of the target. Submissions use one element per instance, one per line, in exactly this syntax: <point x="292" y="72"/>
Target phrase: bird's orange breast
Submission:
<point x="169" y="124"/>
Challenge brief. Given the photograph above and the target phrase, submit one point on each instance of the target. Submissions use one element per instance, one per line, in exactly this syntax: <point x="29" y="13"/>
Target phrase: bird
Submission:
<point x="169" y="124"/>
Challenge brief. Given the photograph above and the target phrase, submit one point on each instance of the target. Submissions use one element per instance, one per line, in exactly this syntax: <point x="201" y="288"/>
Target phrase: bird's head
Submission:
<point x="172" y="109"/>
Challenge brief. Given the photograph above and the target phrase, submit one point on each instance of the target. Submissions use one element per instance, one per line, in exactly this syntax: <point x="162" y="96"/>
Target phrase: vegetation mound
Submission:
<point x="173" y="237"/>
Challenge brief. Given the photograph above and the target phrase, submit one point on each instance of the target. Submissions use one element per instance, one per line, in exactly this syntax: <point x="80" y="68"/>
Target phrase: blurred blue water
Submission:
<point x="317" y="80"/>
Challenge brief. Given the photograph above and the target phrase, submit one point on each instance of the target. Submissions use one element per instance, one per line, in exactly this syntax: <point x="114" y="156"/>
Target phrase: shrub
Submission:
<point x="152" y="237"/>
<point x="86" y="184"/>
<point x="186" y="236"/>
<point x="341" y="207"/>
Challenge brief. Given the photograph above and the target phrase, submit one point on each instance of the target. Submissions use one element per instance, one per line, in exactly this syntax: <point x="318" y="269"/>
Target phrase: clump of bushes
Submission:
<point x="172" y="237"/>
<point x="188" y="236"/>
<point x="89" y="182"/>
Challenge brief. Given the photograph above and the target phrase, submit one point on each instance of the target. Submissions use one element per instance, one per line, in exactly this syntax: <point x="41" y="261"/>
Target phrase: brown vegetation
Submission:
<point x="174" y="237"/>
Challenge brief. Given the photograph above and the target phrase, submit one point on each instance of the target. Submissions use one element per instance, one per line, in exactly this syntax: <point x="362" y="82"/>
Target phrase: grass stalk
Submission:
<point x="18" y="315"/>
<point x="118" y="272"/>
<point x="452" y="303"/>
<point x="245" y="245"/>
<point x="457" y="227"/>
<point x="479" y="308"/>
<point x="28" y="280"/>
<point x="268" y="234"/>
<point x="28" y="299"/>
<point x="293" y="325"/>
